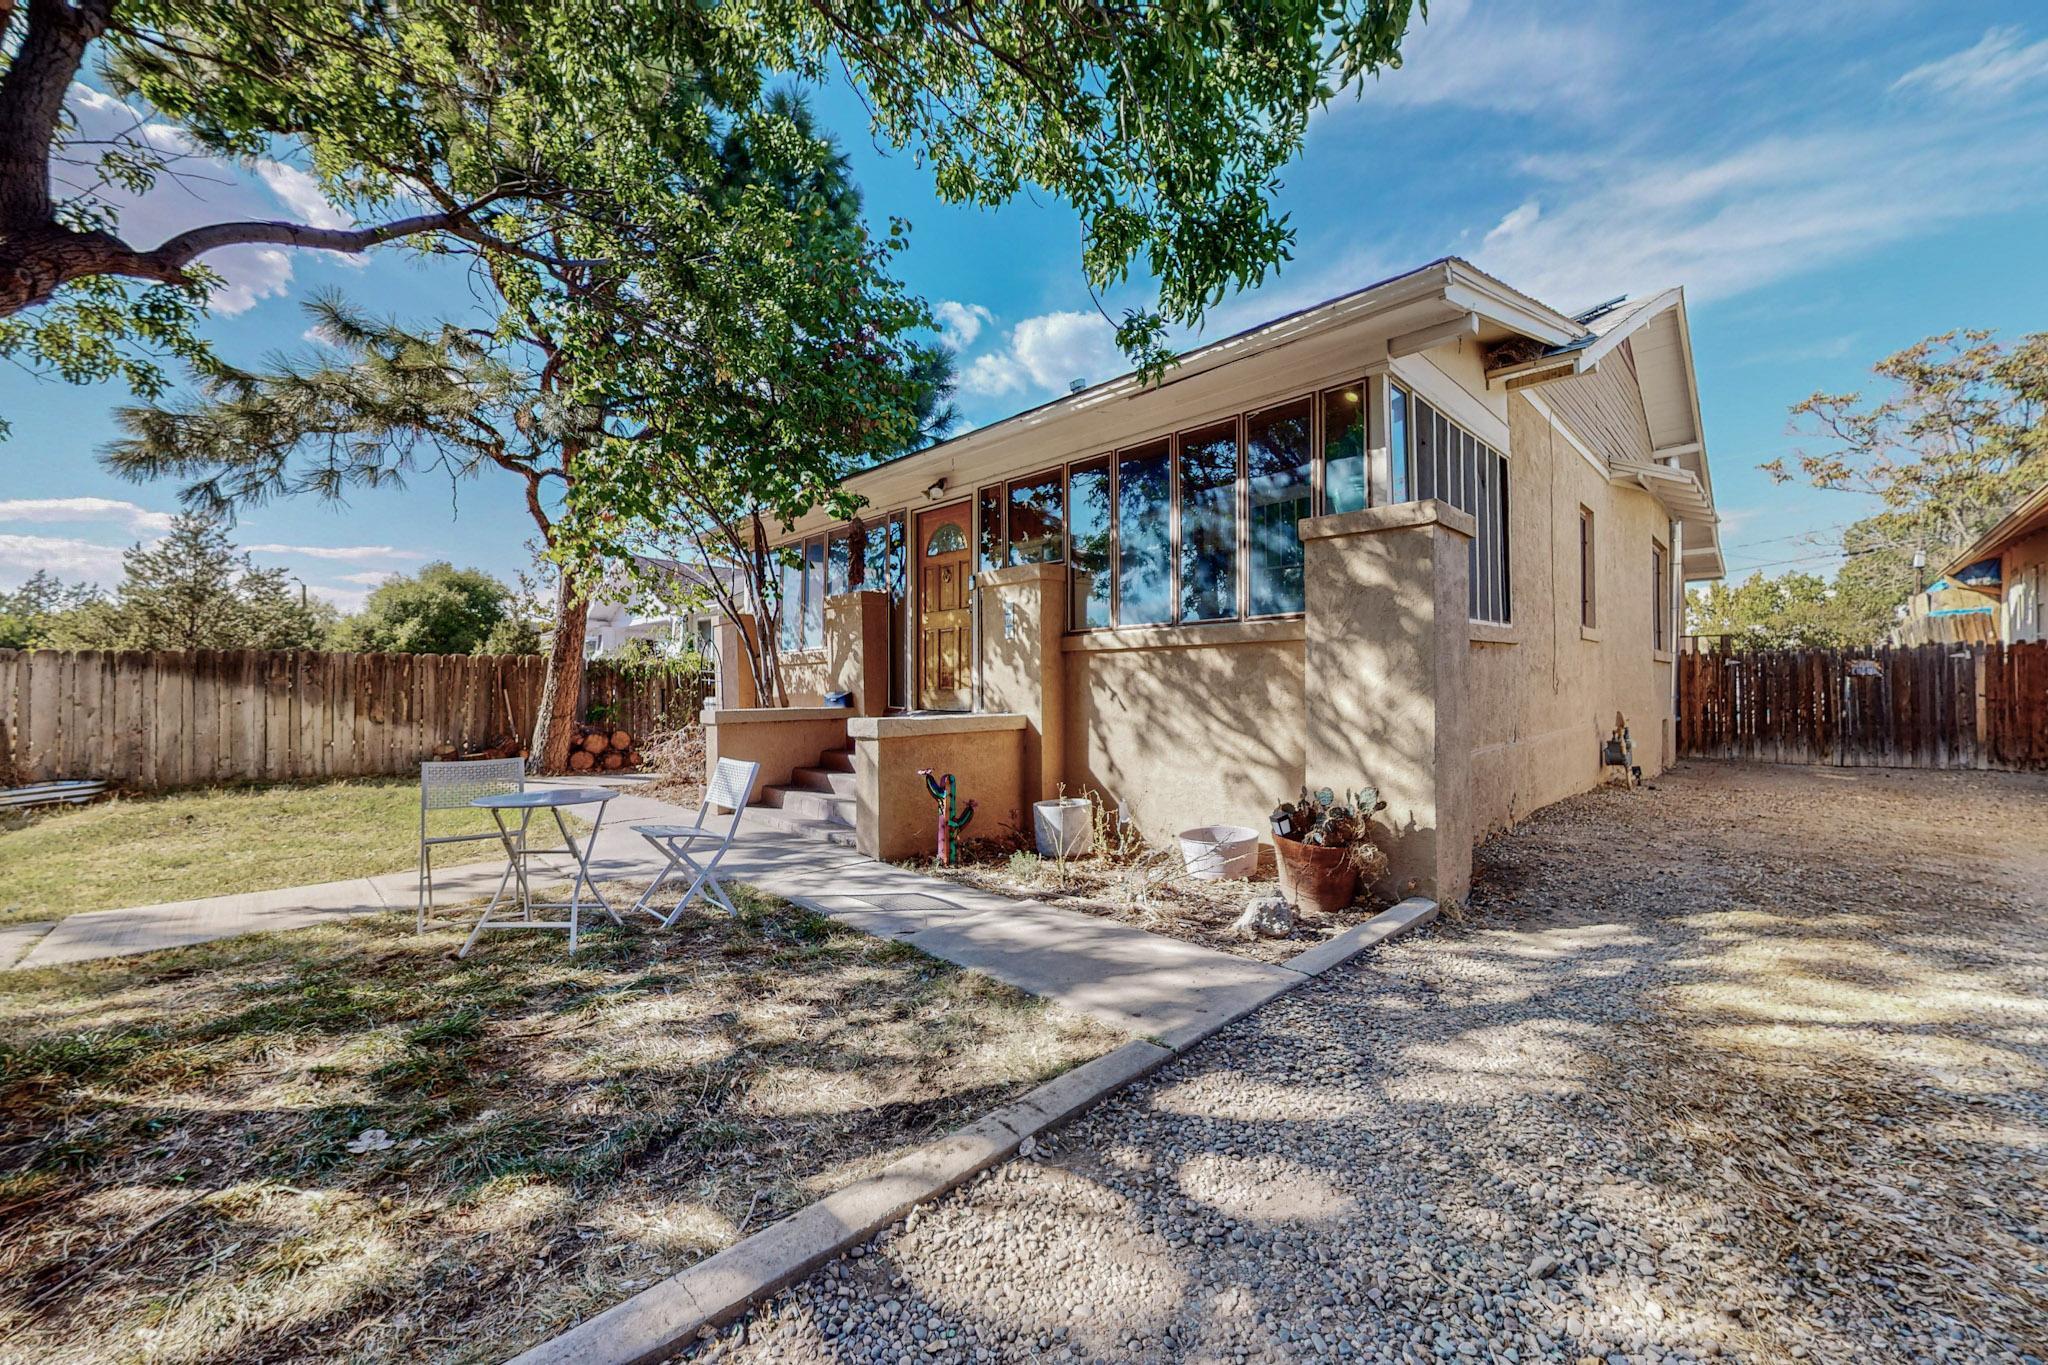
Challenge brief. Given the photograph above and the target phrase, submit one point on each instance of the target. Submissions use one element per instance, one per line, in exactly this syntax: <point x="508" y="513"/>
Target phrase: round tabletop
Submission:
<point x="540" y="798"/>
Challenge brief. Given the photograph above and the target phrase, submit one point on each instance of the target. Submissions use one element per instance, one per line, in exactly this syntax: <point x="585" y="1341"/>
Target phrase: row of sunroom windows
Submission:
<point x="1197" y="527"/>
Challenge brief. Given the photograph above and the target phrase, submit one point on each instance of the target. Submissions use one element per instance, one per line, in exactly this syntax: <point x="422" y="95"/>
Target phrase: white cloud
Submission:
<point x="1488" y="57"/>
<point x="1048" y="353"/>
<point x="341" y="552"/>
<point x="1520" y="218"/>
<point x="372" y="579"/>
<point x="132" y="515"/>
<point x="992" y="376"/>
<point x="1996" y="67"/>
<point x="345" y="599"/>
<point x="961" y="323"/>
<point x="21" y="556"/>
<point x="249" y="276"/>
<point x="301" y="193"/>
<point x="1759" y="213"/>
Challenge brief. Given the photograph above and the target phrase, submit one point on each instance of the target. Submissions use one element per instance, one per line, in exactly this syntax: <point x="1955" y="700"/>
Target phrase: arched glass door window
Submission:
<point x="947" y="538"/>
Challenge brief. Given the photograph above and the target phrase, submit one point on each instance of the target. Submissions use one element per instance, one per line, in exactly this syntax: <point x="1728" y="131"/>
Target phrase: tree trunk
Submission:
<point x="555" y="724"/>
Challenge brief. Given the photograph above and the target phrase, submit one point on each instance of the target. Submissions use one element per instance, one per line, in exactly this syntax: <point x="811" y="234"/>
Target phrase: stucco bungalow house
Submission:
<point x="1432" y="535"/>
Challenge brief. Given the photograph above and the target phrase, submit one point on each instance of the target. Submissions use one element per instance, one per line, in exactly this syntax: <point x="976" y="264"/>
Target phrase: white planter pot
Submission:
<point x="1213" y="852"/>
<point x="1063" y="828"/>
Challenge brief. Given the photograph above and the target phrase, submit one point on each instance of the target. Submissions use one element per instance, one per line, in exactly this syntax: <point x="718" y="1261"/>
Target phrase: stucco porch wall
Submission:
<point x="781" y="739"/>
<point x="1181" y="726"/>
<point x="1543" y="692"/>
<point x="897" y="817"/>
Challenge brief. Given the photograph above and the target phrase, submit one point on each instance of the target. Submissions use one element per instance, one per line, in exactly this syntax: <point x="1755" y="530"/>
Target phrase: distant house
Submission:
<point x="1432" y="535"/>
<point x="670" y="618"/>
<point x="2005" y="571"/>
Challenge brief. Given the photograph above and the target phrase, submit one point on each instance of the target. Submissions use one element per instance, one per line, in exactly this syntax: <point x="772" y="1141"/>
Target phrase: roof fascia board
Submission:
<point x="2008" y="527"/>
<point x="1475" y="293"/>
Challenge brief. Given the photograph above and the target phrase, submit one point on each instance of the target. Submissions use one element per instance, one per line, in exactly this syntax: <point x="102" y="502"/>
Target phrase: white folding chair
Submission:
<point x="451" y="786"/>
<point x="731" y="783"/>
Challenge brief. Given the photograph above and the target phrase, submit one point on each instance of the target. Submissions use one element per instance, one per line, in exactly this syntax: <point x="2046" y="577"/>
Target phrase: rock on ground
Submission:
<point x="1744" y="1065"/>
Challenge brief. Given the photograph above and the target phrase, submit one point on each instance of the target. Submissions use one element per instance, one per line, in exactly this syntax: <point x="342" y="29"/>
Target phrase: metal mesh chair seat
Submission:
<point x="452" y="786"/>
<point x="732" y="782"/>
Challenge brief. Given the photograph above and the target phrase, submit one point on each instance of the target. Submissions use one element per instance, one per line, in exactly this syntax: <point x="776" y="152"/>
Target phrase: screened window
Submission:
<point x="1344" y="487"/>
<point x="1088" y="540"/>
<point x="1660" y="599"/>
<point x="1144" y="527"/>
<point x="1445" y="461"/>
<point x="1277" y="473"/>
<point x="1208" y="523"/>
<point x="989" y="515"/>
<point x="1038" y="520"/>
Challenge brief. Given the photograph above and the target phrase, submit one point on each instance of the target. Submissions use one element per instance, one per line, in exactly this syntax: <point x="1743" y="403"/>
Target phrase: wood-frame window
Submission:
<point x="1091" y="541"/>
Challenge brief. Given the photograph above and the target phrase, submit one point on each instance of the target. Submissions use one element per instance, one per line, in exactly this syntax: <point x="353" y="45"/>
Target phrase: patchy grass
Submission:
<point x="343" y="1143"/>
<point x="219" y="840"/>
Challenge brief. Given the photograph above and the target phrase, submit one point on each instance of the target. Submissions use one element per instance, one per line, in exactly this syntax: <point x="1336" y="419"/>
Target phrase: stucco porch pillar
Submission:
<point x="737" y="689"/>
<point x="857" y="649"/>
<point x="1384" y="654"/>
<point x="1023" y="616"/>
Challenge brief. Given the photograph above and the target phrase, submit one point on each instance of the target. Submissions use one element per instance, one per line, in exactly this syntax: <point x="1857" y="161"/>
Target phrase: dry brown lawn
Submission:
<point x="342" y="1143"/>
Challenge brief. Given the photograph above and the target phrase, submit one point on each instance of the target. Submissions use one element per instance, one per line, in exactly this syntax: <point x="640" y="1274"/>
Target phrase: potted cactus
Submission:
<point x="1324" y="847"/>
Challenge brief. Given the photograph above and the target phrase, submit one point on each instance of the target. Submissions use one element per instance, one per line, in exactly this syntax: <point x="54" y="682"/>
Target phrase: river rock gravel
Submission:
<point x="1748" y="1064"/>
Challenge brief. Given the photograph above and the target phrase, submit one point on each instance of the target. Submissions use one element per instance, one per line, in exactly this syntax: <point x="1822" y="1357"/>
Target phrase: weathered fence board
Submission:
<point x="163" y="719"/>
<point x="1918" y="706"/>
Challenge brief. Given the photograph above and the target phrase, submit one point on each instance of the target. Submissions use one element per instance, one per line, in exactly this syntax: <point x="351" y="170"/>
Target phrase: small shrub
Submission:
<point x="1025" y="865"/>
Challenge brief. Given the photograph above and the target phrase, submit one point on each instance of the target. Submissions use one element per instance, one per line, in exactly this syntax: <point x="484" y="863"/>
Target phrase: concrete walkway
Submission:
<point x="1147" y="984"/>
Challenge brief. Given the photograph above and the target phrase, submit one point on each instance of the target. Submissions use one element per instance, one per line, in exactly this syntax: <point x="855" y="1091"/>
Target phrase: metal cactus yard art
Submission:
<point x="946" y="792"/>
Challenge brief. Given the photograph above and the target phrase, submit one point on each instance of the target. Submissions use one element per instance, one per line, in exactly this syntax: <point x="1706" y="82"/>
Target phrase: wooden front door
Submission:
<point x="945" y="618"/>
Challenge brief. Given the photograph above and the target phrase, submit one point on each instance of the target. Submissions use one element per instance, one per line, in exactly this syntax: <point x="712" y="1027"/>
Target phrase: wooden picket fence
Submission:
<point x="1920" y="706"/>
<point x="149" y="720"/>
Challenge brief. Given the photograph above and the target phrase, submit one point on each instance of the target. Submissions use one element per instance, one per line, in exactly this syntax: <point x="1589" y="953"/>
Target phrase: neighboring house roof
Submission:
<point x="2030" y="517"/>
<point x="1448" y="299"/>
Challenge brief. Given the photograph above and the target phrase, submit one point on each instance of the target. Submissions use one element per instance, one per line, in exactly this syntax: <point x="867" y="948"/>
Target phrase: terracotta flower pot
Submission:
<point x="1316" y="878"/>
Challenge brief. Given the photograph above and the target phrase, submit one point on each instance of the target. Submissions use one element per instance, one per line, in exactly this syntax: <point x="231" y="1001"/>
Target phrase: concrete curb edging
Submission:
<point x="659" y="1321"/>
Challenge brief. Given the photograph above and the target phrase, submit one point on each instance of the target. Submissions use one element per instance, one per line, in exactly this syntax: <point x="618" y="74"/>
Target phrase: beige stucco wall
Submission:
<point x="897" y="817"/>
<point x="1178" y="735"/>
<point x="780" y="739"/>
<point x="1543" y="692"/>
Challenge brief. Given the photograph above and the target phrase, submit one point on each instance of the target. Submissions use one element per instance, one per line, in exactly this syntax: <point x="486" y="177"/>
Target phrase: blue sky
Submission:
<point x="1830" y="180"/>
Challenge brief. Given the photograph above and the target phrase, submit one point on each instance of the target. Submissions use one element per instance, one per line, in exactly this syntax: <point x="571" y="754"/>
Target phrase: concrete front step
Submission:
<point x="805" y="804"/>
<point x="824" y="780"/>
<point x="824" y="831"/>
<point x="836" y="760"/>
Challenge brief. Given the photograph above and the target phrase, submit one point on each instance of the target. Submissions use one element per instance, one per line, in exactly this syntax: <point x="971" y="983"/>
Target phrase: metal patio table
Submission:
<point x="517" y="852"/>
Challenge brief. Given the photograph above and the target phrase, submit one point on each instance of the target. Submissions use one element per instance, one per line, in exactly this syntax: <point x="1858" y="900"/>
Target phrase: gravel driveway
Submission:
<point x="1746" y="1065"/>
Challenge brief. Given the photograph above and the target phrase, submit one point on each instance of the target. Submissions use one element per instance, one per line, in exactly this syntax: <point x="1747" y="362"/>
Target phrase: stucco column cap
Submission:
<point x="964" y="723"/>
<point x="1019" y="573"/>
<point x="759" y="715"/>
<point x="1397" y="516"/>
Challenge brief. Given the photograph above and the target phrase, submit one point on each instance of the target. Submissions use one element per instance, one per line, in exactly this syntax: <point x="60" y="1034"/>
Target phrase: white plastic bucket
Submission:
<point x="1063" y="828"/>
<point x="1213" y="852"/>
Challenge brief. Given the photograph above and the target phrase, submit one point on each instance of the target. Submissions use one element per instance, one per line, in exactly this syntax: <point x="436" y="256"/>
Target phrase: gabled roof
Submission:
<point x="1659" y="337"/>
<point x="1449" y="279"/>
